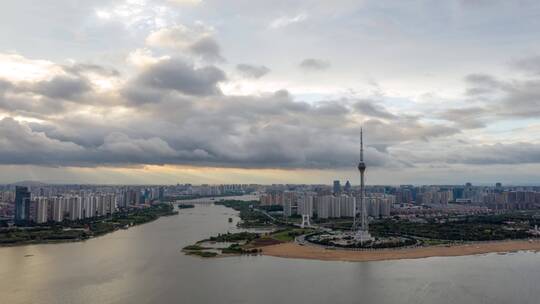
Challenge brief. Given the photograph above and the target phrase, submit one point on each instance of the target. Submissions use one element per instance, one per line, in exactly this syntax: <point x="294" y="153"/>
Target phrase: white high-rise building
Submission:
<point x="373" y="206"/>
<point x="348" y="204"/>
<point x="57" y="209"/>
<point x="335" y="207"/>
<point x="42" y="207"/>
<point x="305" y="205"/>
<point x="323" y="206"/>
<point x="75" y="208"/>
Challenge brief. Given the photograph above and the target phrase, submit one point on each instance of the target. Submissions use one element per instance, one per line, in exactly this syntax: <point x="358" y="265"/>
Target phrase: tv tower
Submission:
<point x="362" y="232"/>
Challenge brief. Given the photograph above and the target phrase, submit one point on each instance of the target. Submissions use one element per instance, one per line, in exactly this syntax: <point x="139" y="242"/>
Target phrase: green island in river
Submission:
<point x="246" y="242"/>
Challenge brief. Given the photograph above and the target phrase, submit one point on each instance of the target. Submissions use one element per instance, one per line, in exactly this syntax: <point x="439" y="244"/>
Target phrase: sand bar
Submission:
<point x="296" y="251"/>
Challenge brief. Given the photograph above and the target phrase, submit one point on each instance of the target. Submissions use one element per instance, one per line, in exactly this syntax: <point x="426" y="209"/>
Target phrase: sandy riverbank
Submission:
<point x="295" y="251"/>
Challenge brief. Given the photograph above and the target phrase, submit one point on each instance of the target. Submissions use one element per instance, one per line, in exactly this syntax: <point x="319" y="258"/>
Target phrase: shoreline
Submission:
<point x="78" y="240"/>
<point x="295" y="251"/>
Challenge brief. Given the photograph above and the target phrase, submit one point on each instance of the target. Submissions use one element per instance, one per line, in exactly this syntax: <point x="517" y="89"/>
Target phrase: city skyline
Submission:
<point x="171" y="91"/>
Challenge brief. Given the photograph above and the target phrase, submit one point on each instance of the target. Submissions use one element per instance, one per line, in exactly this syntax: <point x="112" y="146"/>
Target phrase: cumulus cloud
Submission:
<point x="144" y="57"/>
<point x="174" y="75"/>
<point x="62" y="87"/>
<point x="312" y="64"/>
<point x="198" y="40"/>
<point x="252" y="71"/>
<point x="173" y="112"/>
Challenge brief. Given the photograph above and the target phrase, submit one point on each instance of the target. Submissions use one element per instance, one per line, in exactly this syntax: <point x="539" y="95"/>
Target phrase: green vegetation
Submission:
<point x="471" y="228"/>
<point x="237" y="205"/>
<point x="288" y="235"/>
<point x="83" y="229"/>
<point x="235" y="237"/>
<point x="203" y="254"/>
<point x="250" y="218"/>
<point x="195" y="247"/>
<point x="239" y="249"/>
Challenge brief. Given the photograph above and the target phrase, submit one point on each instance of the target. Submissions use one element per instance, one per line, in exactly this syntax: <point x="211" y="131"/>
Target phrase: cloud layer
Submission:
<point x="277" y="85"/>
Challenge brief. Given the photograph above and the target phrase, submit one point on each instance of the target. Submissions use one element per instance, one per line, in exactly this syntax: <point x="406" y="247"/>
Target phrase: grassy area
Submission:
<point x="288" y="235"/>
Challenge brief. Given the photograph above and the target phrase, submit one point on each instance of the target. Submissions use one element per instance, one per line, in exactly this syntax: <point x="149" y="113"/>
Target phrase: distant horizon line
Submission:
<point x="41" y="183"/>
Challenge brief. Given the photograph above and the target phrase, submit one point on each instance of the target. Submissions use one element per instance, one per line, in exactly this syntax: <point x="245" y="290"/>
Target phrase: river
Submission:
<point x="144" y="265"/>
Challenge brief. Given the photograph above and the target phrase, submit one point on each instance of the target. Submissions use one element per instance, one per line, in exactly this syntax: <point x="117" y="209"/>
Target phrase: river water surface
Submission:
<point x="144" y="265"/>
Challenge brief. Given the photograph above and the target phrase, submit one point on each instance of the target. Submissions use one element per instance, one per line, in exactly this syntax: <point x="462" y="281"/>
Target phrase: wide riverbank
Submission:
<point x="297" y="251"/>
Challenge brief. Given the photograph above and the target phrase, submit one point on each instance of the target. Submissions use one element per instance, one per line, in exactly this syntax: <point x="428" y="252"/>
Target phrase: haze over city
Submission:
<point x="167" y="91"/>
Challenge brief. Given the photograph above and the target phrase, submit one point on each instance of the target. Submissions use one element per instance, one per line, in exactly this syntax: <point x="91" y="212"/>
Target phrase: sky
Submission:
<point x="253" y="91"/>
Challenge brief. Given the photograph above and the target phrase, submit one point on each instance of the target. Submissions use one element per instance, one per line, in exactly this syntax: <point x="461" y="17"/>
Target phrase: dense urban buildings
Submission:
<point x="56" y="203"/>
<point x="383" y="201"/>
<point x="37" y="203"/>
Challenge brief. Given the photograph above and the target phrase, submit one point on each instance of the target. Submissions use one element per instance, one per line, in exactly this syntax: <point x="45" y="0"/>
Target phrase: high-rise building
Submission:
<point x="323" y="206"/>
<point x="347" y="188"/>
<point x="347" y="205"/>
<point x="335" y="207"/>
<point x="57" y="209"/>
<point x="22" y="204"/>
<point x="305" y="205"/>
<point x="42" y="208"/>
<point x="337" y="187"/>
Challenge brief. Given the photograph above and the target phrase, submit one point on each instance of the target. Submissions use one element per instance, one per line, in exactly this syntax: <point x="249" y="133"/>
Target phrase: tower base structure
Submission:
<point x="362" y="236"/>
<point x="305" y="221"/>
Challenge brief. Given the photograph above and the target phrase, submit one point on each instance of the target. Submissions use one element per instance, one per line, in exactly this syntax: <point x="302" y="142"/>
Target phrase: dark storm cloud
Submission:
<point x="312" y="64"/>
<point x="252" y="71"/>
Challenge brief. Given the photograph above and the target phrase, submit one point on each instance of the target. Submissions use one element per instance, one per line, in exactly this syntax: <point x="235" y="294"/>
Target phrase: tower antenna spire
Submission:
<point x="361" y="145"/>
